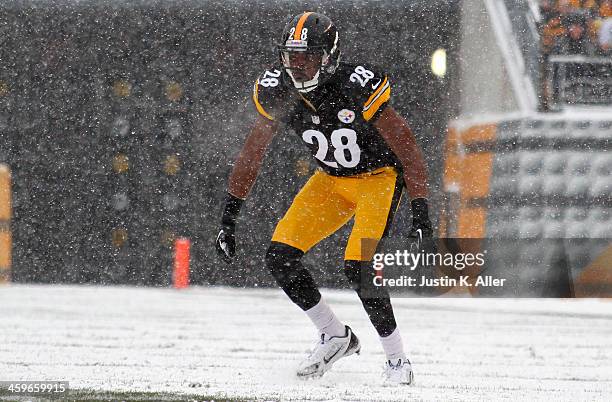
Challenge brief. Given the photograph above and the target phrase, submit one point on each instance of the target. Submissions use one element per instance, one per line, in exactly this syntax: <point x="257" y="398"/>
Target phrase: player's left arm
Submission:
<point x="396" y="132"/>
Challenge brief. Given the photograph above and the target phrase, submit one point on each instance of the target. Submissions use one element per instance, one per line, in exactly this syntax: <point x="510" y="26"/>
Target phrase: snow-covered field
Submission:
<point x="245" y="344"/>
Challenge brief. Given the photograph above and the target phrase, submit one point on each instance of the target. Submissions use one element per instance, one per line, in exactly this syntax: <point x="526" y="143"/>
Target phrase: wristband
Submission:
<point x="420" y="211"/>
<point x="231" y="210"/>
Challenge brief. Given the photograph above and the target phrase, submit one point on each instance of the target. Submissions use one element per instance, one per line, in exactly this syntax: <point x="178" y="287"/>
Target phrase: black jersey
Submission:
<point x="335" y="120"/>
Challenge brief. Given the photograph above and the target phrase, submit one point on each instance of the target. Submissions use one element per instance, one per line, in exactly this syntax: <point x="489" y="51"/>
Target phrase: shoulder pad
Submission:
<point x="268" y="92"/>
<point x="370" y="86"/>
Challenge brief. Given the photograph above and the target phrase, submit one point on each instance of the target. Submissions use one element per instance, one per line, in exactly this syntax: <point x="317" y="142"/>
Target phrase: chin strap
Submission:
<point x="304" y="86"/>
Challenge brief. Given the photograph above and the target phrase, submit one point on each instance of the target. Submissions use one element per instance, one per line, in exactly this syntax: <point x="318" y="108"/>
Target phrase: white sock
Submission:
<point x="325" y="320"/>
<point x="393" y="346"/>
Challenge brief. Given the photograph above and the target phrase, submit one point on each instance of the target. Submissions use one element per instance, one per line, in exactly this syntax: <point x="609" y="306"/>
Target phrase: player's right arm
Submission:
<point x="248" y="162"/>
<point x="241" y="181"/>
<point x="247" y="165"/>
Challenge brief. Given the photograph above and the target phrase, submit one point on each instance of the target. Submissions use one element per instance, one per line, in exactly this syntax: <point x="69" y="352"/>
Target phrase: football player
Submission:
<point x="366" y="155"/>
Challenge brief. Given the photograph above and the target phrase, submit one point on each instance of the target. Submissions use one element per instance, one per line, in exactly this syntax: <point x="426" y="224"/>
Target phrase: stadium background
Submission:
<point x="94" y="96"/>
<point x="120" y="121"/>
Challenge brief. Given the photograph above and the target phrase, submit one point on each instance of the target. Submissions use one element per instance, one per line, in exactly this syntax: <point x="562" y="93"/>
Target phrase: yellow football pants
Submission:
<point x="326" y="203"/>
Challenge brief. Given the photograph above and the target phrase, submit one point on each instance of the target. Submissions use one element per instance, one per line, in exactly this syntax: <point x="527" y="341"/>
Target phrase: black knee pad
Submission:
<point x="281" y="260"/>
<point x="284" y="264"/>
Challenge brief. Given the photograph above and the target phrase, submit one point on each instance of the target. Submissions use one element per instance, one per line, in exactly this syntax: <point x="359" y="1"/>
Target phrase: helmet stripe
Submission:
<point x="298" y="28"/>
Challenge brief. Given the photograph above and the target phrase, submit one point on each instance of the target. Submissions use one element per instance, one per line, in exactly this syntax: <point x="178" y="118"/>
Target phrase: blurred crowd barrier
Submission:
<point x="120" y="122"/>
<point x="540" y="191"/>
<point x="576" y="52"/>
<point x="576" y="27"/>
<point x="566" y="48"/>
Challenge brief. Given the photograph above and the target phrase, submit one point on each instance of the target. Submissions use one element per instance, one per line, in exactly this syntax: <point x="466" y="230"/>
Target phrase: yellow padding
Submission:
<point x="471" y="223"/>
<point x="5" y="251"/>
<point x="468" y="175"/>
<point x="479" y="133"/>
<point x="5" y="193"/>
<point x="475" y="175"/>
<point x="5" y="219"/>
<point x="452" y="162"/>
<point x="596" y="279"/>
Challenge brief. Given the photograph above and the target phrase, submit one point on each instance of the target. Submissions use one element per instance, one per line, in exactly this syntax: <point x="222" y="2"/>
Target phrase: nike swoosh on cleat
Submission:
<point x="331" y="357"/>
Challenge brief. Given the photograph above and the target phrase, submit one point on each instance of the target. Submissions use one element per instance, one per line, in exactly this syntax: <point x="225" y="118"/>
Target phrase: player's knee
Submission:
<point x="281" y="260"/>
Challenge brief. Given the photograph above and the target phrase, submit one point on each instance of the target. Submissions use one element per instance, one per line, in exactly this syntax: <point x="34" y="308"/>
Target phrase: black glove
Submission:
<point x="421" y="225"/>
<point x="225" y="243"/>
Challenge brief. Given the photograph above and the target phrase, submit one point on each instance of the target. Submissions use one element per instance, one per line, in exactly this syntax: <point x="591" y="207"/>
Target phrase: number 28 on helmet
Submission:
<point x="309" y="50"/>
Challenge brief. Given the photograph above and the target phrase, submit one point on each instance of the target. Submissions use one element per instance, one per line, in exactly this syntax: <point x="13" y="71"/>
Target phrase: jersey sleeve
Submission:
<point x="372" y="89"/>
<point x="267" y="94"/>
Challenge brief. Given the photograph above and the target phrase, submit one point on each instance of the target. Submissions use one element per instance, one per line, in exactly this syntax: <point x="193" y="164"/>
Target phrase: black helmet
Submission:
<point x="309" y="50"/>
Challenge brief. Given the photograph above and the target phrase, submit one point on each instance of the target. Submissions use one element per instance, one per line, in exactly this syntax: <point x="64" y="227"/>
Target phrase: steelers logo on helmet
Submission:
<point x="309" y="50"/>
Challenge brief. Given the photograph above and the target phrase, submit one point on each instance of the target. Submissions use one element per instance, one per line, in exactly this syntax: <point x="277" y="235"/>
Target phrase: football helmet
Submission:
<point x="309" y="50"/>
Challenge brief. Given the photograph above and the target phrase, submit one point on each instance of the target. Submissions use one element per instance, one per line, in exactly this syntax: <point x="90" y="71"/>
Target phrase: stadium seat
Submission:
<point x="530" y="186"/>
<point x="530" y="225"/>
<point x="507" y="164"/>
<point x="554" y="186"/>
<point x="555" y="163"/>
<point x="576" y="215"/>
<point x="579" y="164"/>
<point x="576" y="223"/>
<point x="504" y="186"/>
<point x="531" y="163"/>
<point x="553" y="230"/>
<point x="602" y="165"/>
<point x="601" y="189"/>
<point x="578" y="187"/>
<point x="601" y="231"/>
